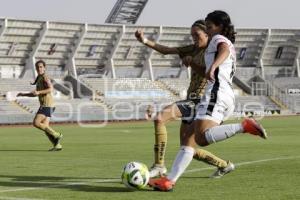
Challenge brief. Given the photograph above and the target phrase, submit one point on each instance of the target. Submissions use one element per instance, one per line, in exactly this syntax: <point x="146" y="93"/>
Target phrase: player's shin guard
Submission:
<point x="52" y="132"/>
<point x="209" y="158"/>
<point x="50" y="137"/>
<point x="160" y="143"/>
<point x="220" y="133"/>
<point x="182" y="161"/>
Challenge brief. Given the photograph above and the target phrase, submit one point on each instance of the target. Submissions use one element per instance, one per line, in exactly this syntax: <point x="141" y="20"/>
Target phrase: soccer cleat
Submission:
<point x="161" y="184"/>
<point x="56" y="144"/>
<point x="57" y="147"/>
<point x="253" y="127"/>
<point x="157" y="170"/>
<point x="56" y="140"/>
<point x="222" y="171"/>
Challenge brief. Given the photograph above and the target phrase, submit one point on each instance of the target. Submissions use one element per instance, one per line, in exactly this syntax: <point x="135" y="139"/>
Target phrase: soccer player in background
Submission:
<point x="44" y="90"/>
<point x="216" y="104"/>
<point x="191" y="55"/>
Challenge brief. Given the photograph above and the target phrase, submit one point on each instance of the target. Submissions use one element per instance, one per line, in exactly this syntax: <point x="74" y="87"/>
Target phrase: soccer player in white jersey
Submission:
<point x="216" y="105"/>
<point x="191" y="55"/>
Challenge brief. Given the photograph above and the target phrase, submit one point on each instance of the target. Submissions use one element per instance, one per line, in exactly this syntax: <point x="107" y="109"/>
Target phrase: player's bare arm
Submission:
<point x="223" y="53"/>
<point x="29" y="94"/>
<point x="139" y="34"/>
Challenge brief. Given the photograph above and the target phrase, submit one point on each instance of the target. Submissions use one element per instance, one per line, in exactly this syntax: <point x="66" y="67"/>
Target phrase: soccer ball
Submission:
<point x="135" y="175"/>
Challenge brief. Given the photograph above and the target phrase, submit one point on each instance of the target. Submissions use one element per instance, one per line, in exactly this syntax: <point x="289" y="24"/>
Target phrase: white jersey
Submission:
<point x="224" y="73"/>
<point x="217" y="104"/>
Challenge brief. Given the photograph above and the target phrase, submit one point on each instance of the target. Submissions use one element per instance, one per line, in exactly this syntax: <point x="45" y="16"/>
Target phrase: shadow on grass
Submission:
<point x="45" y="178"/>
<point x="81" y="184"/>
<point x="23" y="150"/>
<point x="196" y="177"/>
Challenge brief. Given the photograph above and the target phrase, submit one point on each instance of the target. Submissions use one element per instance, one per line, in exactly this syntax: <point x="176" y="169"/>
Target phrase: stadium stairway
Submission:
<point x="21" y="106"/>
<point x="80" y="89"/>
<point x="64" y="87"/>
<point x="98" y="92"/>
<point x="242" y="85"/>
<point x="278" y="103"/>
<point x="163" y="86"/>
<point x="272" y="96"/>
<point x="246" y="87"/>
<point x="101" y="102"/>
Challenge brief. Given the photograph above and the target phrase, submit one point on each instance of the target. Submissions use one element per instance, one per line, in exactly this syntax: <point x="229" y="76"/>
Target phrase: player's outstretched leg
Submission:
<point x="219" y="133"/>
<point x="186" y="130"/>
<point x="224" y="167"/>
<point x="221" y="171"/>
<point x="251" y="126"/>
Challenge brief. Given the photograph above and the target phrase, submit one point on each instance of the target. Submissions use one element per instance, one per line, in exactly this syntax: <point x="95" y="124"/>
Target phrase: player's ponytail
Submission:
<point x="229" y="32"/>
<point x="34" y="83"/>
<point x="219" y="17"/>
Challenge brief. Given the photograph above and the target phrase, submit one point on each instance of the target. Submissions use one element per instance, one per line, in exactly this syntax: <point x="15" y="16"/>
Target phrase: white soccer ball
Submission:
<point x="135" y="175"/>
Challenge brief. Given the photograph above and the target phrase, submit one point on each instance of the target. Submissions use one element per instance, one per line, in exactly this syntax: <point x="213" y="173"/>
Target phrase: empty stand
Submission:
<point x="16" y="42"/>
<point x="249" y="45"/>
<point x="127" y="73"/>
<point x="57" y="45"/>
<point x="254" y="103"/>
<point x="281" y="52"/>
<point x="96" y="48"/>
<point x="166" y="66"/>
<point x="15" y="85"/>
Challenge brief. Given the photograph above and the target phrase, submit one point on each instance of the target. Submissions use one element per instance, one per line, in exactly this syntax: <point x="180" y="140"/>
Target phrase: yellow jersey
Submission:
<point x="198" y="81"/>
<point x="42" y="83"/>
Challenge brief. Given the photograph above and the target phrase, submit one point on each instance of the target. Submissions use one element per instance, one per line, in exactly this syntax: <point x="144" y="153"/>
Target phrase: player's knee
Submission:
<point x="163" y="116"/>
<point x="159" y="121"/>
<point x="183" y="140"/>
<point x="200" y="139"/>
<point x="36" y="124"/>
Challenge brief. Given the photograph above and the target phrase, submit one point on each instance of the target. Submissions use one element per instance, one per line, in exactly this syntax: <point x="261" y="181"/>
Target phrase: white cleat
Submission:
<point x="222" y="171"/>
<point x="157" y="170"/>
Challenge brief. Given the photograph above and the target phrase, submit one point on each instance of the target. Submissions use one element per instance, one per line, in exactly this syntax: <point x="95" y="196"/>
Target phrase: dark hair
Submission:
<point x="36" y="65"/>
<point x="40" y="61"/>
<point x="219" y="17"/>
<point x="200" y="24"/>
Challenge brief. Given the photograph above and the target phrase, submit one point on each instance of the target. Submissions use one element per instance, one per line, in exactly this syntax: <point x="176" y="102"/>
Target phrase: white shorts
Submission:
<point x="217" y="109"/>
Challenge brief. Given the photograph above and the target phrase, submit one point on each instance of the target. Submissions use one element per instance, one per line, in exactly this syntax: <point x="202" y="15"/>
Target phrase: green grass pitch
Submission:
<point x="90" y="165"/>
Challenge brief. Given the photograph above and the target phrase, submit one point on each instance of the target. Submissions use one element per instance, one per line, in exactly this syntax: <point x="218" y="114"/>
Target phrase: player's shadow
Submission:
<point x="98" y="188"/>
<point x="23" y="150"/>
<point x="196" y="177"/>
<point x="82" y="184"/>
<point x="42" y="178"/>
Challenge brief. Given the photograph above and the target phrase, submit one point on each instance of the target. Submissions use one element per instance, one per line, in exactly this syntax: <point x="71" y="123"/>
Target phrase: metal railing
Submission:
<point x="268" y="88"/>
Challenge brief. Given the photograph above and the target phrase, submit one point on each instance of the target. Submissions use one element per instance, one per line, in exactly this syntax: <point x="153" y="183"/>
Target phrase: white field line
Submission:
<point x="246" y="163"/>
<point x="115" y="180"/>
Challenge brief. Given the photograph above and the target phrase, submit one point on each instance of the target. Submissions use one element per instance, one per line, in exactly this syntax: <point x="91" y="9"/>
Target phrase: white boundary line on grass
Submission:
<point x="246" y="163"/>
<point x="62" y="184"/>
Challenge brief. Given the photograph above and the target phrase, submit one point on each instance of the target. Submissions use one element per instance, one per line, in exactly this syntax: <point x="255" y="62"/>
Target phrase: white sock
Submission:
<point x="182" y="161"/>
<point x="219" y="133"/>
